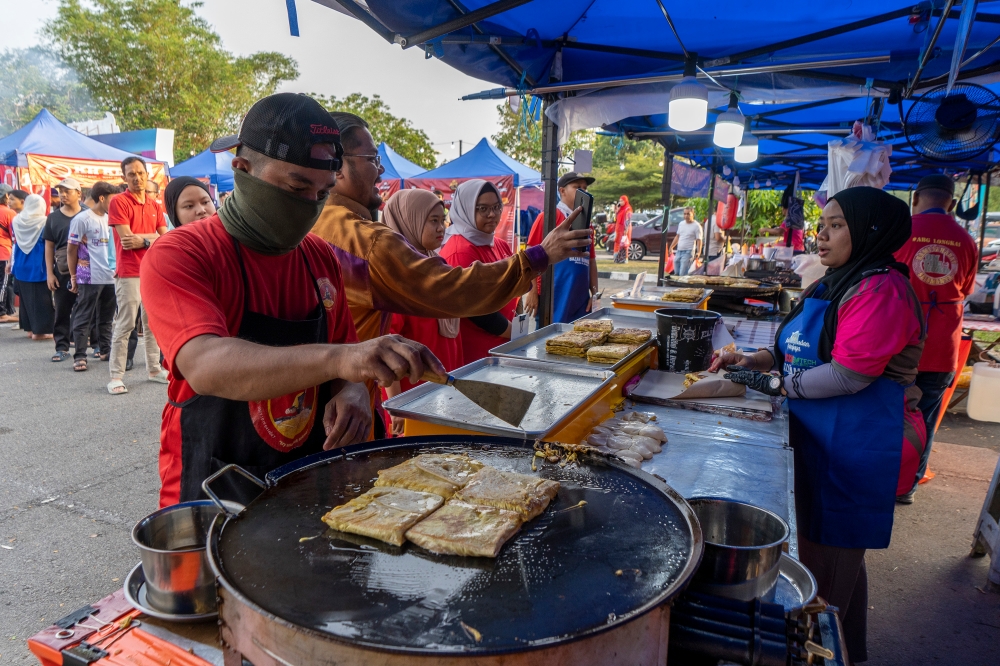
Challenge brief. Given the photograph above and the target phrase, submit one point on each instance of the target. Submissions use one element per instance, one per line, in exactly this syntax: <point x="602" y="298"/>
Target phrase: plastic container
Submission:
<point x="684" y="339"/>
<point x="983" y="391"/>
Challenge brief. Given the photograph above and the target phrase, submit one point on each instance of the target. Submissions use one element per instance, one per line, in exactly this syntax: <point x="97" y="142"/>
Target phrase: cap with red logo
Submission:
<point x="285" y="127"/>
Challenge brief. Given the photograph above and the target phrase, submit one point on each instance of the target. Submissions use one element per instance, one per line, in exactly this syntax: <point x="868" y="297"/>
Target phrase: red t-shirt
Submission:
<point x="191" y="285"/>
<point x="943" y="260"/>
<point x="425" y="331"/>
<point x="458" y="251"/>
<point x="141" y="218"/>
<point x="7" y="215"/>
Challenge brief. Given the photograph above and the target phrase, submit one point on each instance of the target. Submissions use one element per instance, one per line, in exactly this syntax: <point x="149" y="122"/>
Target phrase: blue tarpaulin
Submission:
<point x="45" y="135"/>
<point x="396" y="166"/>
<point x="486" y="160"/>
<point x="217" y="167"/>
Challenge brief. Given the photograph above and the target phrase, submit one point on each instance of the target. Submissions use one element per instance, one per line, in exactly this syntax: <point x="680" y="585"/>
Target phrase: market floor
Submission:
<point x="79" y="469"/>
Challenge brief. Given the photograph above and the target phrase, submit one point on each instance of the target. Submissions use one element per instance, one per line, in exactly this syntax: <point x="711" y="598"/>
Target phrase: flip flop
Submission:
<point x="80" y="365"/>
<point x="60" y="356"/>
<point x="117" y="387"/>
<point x="162" y="377"/>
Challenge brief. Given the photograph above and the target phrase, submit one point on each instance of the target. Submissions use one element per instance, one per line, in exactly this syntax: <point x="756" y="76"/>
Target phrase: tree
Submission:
<point x="407" y="140"/>
<point x="33" y="79"/>
<point x="523" y="141"/>
<point x="155" y="63"/>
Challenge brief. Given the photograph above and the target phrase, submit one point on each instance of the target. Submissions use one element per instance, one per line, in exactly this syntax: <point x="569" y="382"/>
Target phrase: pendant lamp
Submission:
<point x="746" y="152"/>
<point x="688" y="109"/>
<point x="729" y="125"/>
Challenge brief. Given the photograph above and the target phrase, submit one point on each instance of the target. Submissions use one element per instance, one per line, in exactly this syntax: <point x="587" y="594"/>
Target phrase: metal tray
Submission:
<point x="135" y="594"/>
<point x="650" y="295"/>
<point x="532" y="347"/>
<point x="796" y="586"/>
<point x="559" y="391"/>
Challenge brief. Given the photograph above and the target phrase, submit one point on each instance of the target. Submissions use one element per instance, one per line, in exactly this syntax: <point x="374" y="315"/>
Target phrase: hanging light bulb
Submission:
<point x="661" y="163"/>
<point x="452" y="144"/>
<point x="622" y="166"/>
<point x="688" y="109"/>
<point x="747" y="151"/>
<point x="729" y="125"/>
<point x="726" y="170"/>
<point x="768" y="183"/>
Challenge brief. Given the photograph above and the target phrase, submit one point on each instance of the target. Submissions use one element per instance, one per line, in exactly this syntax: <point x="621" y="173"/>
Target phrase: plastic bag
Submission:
<point x="715" y="266"/>
<point x="809" y="268"/>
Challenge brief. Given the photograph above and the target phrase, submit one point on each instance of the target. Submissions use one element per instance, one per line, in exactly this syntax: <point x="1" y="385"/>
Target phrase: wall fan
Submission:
<point x="956" y="126"/>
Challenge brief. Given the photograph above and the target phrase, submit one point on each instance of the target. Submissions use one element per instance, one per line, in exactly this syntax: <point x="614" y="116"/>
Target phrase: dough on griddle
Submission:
<point x="441" y="474"/>
<point x="525" y="494"/>
<point x="383" y="513"/>
<point x="459" y="528"/>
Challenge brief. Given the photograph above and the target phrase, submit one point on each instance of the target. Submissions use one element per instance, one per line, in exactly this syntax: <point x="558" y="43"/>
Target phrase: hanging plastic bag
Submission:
<point x="809" y="268"/>
<point x="717" y="265"/>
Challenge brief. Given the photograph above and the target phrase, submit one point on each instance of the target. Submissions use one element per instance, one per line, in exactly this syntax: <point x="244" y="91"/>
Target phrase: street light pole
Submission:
<point x="665" y="186"/>
<point x="550" y="174"/>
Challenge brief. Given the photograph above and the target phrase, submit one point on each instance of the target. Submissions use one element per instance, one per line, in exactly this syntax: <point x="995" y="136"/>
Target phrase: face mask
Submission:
<point x="266" y="218"/>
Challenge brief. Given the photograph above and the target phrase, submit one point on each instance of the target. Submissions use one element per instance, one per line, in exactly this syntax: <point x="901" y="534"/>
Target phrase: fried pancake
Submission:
<point x="459" y="528"/>
<point x="455" y="468"/>
<point x="573" y="343"/>
<point x="383" y="513"/>
<point x="594" y="326"/>
<point x="609" y="353"/>
<point x="683" y="295"/>
<point x="438" y="473"/>
<point x="629" y="336"/>
<point x="527" y="495"/>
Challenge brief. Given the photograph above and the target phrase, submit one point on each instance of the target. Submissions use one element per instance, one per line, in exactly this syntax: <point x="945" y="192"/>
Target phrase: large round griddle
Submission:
<point x="764" y="289"/>
<point x="566" y="575"/>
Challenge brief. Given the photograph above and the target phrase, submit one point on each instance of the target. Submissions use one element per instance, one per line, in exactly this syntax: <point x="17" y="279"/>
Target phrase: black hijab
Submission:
<point x="173" y="193"/>
<point x="879" y="224"/>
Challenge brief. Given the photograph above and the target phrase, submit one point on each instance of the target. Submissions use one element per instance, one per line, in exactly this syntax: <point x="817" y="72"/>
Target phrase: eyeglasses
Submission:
<point x="486" y="210"/>
<point x="374" y="159"/>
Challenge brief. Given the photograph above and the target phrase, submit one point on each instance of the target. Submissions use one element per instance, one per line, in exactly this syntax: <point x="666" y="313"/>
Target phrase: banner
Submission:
<point x="386" y="188"/>
<point x="47" y="170"/>
<point x="8" y="175"/>
<point x="508" y="195"/>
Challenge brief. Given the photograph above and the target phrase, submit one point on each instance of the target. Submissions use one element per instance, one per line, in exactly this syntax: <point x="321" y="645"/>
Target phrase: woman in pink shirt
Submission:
<point x="847" y="356"/>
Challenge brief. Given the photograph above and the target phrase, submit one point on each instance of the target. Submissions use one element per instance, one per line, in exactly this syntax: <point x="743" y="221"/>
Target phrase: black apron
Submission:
<point x="258" y="436"/>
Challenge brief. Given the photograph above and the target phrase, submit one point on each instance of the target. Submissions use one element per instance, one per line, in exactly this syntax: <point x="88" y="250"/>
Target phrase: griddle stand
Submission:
<point x="986" y="538"/>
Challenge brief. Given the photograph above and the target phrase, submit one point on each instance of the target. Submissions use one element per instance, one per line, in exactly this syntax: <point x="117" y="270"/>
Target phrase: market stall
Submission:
<point x="213" y="169"/>
<point x="397" y="170"/>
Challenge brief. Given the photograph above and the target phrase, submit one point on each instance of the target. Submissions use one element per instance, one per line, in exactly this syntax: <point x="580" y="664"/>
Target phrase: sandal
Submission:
<point x="160" y="378"/>
<point x="60" y="356"/>
<point x="80" y="365"/>
<point x="104" y="357"/>
<point x="117" y="387"/>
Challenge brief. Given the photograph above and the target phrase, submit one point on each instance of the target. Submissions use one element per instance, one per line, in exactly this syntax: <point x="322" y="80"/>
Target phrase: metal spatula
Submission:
<point x="507" y="403"/>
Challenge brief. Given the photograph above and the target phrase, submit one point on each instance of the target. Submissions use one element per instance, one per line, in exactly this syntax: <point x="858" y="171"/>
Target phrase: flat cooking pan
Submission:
<point x="764" y="289"/>
<point x="569" y="574"/>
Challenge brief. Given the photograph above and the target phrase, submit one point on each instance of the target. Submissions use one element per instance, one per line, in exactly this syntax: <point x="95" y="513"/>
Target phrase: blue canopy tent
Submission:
<point x="396" y="166"/>
<point x="486" y="160"/>
<point x="216" y="167"/>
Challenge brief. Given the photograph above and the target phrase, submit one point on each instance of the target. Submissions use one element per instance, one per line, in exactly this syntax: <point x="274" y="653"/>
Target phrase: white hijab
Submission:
<point x="463" y="212"/>
<point x="29" y="222"/>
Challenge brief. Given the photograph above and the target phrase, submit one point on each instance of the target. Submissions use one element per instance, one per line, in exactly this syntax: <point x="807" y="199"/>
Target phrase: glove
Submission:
<point x="758" y="381"/>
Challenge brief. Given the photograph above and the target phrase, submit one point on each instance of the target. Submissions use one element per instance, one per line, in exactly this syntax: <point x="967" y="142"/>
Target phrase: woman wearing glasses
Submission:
<point x="476" y="210"/>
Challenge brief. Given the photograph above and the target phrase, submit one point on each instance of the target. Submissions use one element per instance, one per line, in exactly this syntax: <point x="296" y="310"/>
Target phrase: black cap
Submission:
<point x="568" y="178"/>
<point x="938" y="181"/>
<point x="285" y="127"/>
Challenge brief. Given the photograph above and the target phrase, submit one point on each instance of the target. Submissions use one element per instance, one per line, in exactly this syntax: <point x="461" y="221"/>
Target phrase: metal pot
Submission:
<point x="754" y="264"/>
<point x="171" y="541"/>
<point x="742" y="548"/>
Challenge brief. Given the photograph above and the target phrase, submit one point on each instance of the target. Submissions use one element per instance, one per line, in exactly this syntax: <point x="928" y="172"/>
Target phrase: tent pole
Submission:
<point x="984" y="199"/>
<point x="711" y="205"/>
<point x="550" y="173"/>
<point x="665" y="195"/>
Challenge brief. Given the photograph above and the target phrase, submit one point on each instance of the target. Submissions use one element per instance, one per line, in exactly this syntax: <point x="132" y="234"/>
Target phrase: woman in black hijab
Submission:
<point x="847" y="355"/>
<point x="187" y="200"/>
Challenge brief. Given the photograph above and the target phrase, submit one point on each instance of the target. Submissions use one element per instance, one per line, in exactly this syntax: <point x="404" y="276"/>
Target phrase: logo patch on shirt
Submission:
<point x="285" y="423"/>
<point x="935" y="264"/>
<point x="796" y="343"/>
<point x="328" y="292"/>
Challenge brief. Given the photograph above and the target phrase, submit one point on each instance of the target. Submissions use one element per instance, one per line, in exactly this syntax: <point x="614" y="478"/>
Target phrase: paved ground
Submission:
<point x="79" y="469"/>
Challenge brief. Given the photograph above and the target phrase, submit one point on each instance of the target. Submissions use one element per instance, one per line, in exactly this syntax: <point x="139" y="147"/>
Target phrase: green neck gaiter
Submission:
<point x="266" y="218"/>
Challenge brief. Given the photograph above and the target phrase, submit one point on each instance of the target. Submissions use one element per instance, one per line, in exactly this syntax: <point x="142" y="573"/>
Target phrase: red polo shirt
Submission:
<point x="6" y="231"/>
<point x="141" y="218"/>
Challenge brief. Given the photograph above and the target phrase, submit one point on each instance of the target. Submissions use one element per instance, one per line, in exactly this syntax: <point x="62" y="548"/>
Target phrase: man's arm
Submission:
<point x="72" y="255"/>
<point x="50" y="259"/>
<point x="131" y="241"/>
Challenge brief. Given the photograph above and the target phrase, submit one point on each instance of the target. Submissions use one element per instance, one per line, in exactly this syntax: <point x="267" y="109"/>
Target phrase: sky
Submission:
<point x="336" y="54"/>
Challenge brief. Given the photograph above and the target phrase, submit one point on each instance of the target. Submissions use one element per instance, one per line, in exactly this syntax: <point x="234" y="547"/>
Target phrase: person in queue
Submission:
<point x="187" y="200"/>
<point x="36" y="316"/>
<point x="418" y="216"/>
<point x="476" y="211"/>
<point x="56" y="235"/>
<point x="574" y="280"/>
<point x="847" y="356"/>
<point x="7" y="213"/>
<point x="943" y="259"/>
<point x="252" y="314"/>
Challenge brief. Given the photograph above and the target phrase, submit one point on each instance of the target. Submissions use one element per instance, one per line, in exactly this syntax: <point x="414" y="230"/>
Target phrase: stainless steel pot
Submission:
<point x="171" y="541"/>
<point x="754" y="263"/>
<point x="742" y="548"/>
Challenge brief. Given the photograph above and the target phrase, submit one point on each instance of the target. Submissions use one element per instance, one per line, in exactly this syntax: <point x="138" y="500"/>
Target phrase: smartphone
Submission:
<point x="583" y="200"/>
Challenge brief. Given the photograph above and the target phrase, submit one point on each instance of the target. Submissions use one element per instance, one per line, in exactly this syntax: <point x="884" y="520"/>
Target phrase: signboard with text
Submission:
<point x="48" y="171"/>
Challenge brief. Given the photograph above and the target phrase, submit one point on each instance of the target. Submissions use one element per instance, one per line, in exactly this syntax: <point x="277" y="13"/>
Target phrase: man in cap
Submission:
<point x="252" y="314"/>
<point x="574" y="280"/>
<point x="7" y="214"/>
<point x="56" y="235"/>
<point x="384" y="275"/>
<point x="943" y="260"/>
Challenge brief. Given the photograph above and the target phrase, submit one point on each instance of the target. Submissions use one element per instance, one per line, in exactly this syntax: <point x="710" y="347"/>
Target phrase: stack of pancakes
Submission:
<point x="683" y="295"/>
<point x="598" y="341"/>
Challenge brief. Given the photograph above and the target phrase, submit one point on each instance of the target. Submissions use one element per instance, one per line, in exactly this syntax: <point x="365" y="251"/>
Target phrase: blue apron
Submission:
<point x="571" y="286"/>
<point x="847" y="448"/>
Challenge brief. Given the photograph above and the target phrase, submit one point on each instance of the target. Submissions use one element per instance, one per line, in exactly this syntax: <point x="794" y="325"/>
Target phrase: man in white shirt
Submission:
<point x="716" y="240"/>
<point x="687" y="242"/>
<point x="91" y="276"/>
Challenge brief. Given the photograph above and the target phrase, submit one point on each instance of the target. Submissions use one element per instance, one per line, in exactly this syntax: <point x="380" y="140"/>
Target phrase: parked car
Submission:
<point x="647" y="235"/>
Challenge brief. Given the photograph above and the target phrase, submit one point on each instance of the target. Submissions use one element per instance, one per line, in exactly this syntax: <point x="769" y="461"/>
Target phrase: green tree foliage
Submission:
<point x="33" y="79"/>
<point x="155" y="63"/>
<point x="407" y="140"/>
<point x="640" y="180"/>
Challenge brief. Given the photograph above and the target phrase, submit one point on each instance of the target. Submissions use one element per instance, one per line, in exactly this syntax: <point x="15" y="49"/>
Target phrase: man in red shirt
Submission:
<point x="252" y="313"/>
<point x="943" y="260"/>
<point x="6" y="218"/>
<point x="137" y="221"/>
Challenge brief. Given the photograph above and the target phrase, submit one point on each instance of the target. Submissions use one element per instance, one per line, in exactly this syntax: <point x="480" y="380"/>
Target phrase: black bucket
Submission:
<point x="684" y="338"/>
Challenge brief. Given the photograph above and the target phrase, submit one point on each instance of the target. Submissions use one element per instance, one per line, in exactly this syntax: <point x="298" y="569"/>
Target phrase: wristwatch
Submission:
<point x="777" y="384"/>
<point x="145" y="243"/>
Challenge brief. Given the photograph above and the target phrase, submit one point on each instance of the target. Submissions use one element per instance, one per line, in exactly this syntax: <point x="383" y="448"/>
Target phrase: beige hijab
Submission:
<point x="406" y="212"/>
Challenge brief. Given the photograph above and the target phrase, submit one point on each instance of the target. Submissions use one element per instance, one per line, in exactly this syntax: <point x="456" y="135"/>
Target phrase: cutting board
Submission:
<point x="658" y="388"/>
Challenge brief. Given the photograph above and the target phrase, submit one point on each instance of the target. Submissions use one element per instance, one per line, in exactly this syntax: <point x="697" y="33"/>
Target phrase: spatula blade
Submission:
<point x="507" y="403"/>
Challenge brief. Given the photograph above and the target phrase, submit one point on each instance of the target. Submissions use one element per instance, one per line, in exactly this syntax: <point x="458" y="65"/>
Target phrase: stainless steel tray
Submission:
<point x="532" y="347"/>
<point x="625" y="318"/>
<point x="796" y="585"/>
<point x="650" y="295"/>
<point x="559" y="391"/>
